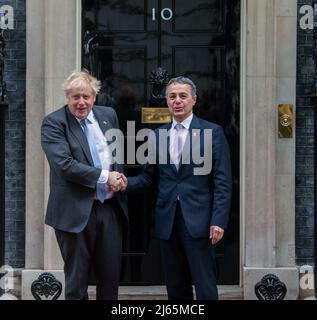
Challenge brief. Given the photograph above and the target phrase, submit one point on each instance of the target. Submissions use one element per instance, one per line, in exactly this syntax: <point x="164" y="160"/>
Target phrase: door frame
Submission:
<point x="44" y="72"/>
<point x="267" y="237"/>
<point x="243" y="149"/>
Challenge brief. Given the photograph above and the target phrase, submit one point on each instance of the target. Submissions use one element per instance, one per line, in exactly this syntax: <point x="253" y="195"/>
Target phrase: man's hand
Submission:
<point x="125" y="182"/>
<point x="117" y="181"/>
<point x="216" y="233"/>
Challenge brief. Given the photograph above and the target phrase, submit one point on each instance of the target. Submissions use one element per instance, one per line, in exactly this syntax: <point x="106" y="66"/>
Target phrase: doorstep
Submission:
<point x="159" y="293"/>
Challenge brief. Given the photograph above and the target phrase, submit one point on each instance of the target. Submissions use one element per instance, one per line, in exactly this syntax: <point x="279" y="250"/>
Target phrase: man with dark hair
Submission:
<point x="192" y="206"/>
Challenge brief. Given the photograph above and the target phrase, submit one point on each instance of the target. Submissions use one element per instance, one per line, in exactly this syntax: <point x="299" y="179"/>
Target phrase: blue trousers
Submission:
<point x="186" y="261"/>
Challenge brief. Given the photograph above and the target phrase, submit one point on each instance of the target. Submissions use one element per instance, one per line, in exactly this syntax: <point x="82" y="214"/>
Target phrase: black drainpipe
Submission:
<point x="3" y="106"/>
<point x="315" y="143"/>
<point x="2" y="178"/>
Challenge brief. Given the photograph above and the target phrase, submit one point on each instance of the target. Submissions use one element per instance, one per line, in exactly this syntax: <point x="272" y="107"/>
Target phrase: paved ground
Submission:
<point x="149" y="293"/>
<point x="159" y="293"/>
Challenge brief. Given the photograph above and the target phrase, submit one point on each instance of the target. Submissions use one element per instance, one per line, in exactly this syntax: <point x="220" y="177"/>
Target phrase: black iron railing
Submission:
<point x="314" y="99"/>
<point x="3" y="106"/>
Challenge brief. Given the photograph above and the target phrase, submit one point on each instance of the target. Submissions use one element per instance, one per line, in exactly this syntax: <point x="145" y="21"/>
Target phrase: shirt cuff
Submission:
<point x="104" y="175"/>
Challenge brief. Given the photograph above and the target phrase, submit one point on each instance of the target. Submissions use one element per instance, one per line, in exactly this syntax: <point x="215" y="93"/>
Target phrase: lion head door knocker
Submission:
<point x="159" y="79"/>
<point x="270" y="288"/>
<point x="46" y="286"/>
<point x="157" y="112"/>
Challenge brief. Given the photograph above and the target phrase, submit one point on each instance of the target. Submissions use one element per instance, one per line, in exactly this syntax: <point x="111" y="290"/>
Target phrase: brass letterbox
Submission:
<point x="156" y="115"/>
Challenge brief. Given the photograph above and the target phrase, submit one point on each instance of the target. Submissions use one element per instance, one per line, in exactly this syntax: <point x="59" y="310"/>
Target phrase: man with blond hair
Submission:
<point x="88" y="217"/>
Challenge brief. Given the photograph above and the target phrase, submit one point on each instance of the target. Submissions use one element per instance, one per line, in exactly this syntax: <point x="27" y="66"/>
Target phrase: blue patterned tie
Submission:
<point x="100" y="188"/>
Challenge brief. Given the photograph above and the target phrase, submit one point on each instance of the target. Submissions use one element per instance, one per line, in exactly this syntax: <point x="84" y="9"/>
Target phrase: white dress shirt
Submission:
<point x="104" y="153"/>
<point x="173" y="136"/>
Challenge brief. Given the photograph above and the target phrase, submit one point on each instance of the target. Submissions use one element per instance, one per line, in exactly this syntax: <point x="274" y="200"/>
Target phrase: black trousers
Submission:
<point x="186" y="261"/>
<point x="98" y="246"/>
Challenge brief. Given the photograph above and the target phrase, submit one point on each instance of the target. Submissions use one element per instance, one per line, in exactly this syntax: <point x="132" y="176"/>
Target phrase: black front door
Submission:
<point x="134" y="47"/>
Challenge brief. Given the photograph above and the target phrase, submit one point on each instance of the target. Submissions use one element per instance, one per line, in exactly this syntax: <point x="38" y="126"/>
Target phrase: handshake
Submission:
<point x="117" y="181"/>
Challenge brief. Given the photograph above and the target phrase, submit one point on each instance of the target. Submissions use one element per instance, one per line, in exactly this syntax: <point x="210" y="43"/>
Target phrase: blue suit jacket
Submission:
<point x="204" y="199"/>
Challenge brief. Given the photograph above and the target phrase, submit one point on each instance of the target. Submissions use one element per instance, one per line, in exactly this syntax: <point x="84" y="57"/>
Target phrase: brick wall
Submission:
<point x="304" y="145"/>
<point x="15" y="72"/>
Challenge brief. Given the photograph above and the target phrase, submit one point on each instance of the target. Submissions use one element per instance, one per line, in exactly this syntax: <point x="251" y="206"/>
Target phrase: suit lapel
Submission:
<point x="191" y="142"/>
<point x="78" y="132"/>
<point x="102" y="120"/>
<point x="169" y="158"/>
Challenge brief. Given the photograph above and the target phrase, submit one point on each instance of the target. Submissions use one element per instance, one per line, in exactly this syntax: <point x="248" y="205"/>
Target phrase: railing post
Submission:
<point x="3" y="106"/>
<point x="314" y="100"/>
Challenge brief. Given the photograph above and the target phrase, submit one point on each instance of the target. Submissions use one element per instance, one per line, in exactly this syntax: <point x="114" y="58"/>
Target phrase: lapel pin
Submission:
<point x="104" y="122"/>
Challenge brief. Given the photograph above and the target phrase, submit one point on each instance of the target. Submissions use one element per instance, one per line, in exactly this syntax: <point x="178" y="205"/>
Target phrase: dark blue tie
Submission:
<point x="100" y="188"/>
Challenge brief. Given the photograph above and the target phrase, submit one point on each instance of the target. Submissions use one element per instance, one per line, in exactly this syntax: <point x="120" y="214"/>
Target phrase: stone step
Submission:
<point x="159" y="293"/>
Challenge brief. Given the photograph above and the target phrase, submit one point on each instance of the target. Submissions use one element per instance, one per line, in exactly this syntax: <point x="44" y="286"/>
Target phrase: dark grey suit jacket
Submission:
<point x="73" y="177"/>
